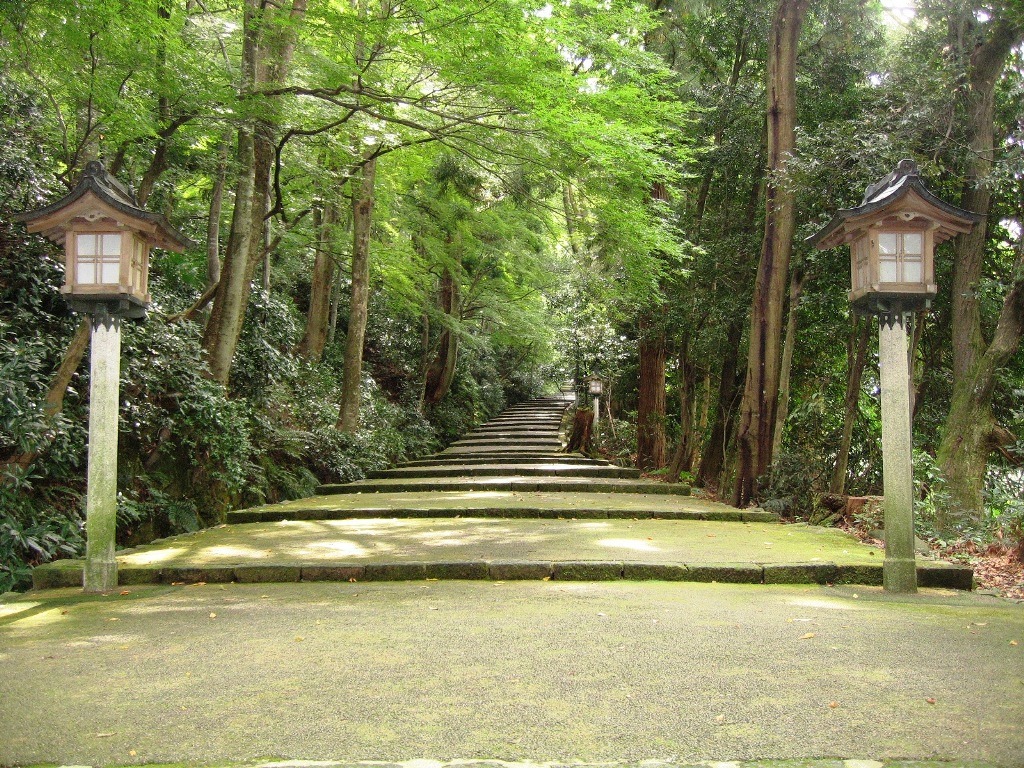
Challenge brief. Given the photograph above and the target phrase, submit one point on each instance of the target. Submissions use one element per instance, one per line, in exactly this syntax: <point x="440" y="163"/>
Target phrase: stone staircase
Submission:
<point x="504" y="502"/>
<point x="518" y="452"/>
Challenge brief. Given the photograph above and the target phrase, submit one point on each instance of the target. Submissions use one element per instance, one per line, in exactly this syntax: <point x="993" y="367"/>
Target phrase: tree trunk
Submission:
<point x="580" y="432"/>
<point x="650" y="427"/>
<point x="441" y="371"/>
<point x="760" y="396"/>
<point x="216" y="208"/>
<point x="966" y="436"/>
<point x="796" y="289"/>
<point x="682" y="457"/>
<point x="362" y="219"/>
<point x="986" y="65"/>
<point x="314" y="339"/>
<point x="54" y="402"/>
<point x="971" y="432"/>
<point x="856" y="357"/>
<point x="266" y="52"/>
<point x="712" y="458"/>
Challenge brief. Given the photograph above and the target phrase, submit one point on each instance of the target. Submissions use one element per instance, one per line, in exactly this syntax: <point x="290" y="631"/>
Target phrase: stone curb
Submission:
<point x="68" y="573"/>
<point x="478" y="763"/>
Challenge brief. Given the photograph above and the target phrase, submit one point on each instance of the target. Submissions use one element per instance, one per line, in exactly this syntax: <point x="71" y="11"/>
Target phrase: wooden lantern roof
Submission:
<point x="96" y="196"/>
<point x="898" y="198"/>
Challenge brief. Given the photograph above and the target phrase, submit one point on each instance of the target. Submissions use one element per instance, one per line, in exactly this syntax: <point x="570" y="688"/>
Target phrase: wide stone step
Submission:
<point x="491" y="504"/>
<point x="544" y="442"/>
<point x="569" y="550"/>
<point x="521" y="484"/>
<point x="553" y="419"/>
<point x="537" y="469"/>
<point x="512" y="434"/>
<point x="504" y="450"/>
<point x="514" y="458"/>
<point x="551" y="427"/>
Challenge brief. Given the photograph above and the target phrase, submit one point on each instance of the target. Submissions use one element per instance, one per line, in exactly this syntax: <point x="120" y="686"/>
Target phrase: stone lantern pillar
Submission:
<point x="892" y="236"/>
<point x="107" y="239"/>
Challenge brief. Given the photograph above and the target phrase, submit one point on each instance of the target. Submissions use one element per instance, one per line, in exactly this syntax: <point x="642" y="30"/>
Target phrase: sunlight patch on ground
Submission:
<point x="41" y="619"/>
<point x="368" y="527"/>
<point x="152" y="556"/>
<point x="10" y="609"/>
<point x="339" y="547"/>
<point x="226" y="550"/>
<point x="832" y="605"/>
<point x="634" y="544"/>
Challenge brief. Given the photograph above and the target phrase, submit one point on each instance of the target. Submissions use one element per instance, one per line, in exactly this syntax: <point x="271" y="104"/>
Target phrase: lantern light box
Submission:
<point x="892" y="236"/>
<point x="107" y="238"/>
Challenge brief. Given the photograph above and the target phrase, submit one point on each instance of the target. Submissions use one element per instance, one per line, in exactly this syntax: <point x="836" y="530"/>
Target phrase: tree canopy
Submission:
<point x="411" y="213"/>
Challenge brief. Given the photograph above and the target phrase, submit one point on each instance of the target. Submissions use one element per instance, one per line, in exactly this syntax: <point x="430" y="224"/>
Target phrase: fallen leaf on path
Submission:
<point x="808" y="636"/>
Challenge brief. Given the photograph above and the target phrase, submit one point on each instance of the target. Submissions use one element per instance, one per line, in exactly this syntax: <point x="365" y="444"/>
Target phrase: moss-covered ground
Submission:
<point x="539" y="671"/>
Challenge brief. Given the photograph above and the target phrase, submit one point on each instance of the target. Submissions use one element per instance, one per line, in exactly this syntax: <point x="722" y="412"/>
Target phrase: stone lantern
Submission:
<point x="107" y="238"/>
<point x="892" y="236"/>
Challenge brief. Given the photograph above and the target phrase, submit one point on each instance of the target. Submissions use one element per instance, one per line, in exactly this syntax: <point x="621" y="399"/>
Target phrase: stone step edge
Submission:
<point x="558" y="485"/>
<point x="444" y="460"/>
<point x="517" y="469"/>
<point x="273" y="515"/>
<point x="68" y="573"/>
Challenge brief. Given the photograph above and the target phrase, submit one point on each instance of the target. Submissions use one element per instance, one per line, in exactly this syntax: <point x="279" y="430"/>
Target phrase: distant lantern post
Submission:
<point x="107" y="238"/>
<point x="595" y="386"/>
<point x="892" y="236"/>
